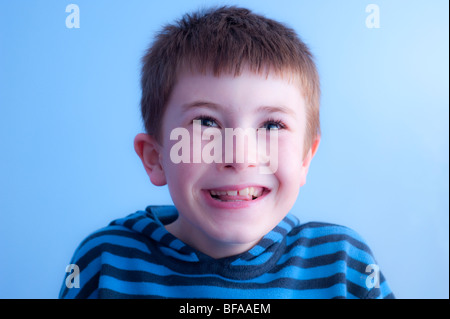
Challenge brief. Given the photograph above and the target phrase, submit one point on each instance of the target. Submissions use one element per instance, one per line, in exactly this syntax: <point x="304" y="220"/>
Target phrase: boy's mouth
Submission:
<point x="244" y="194"/>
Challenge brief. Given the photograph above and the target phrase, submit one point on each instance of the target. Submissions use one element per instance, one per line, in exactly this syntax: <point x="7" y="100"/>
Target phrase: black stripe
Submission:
<point x="373" y="293"/>
<point x="129" y="223"/>
<point x="390" y="296"/>
<point x="150" y="228"/>
<point x="265" y="243"/>
<point x="290" y="222"/>
<point x="167" y="239"/>
<point x="321" y="260"/>
<point x="356" y="290"/>
<point x="177" y="280"/>
<point x="281" y="230"/>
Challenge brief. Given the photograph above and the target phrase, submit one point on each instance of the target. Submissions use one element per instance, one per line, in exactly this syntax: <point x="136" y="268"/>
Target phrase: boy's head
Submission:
<point x="226" y="41"/>
<point x="228" y="68"/>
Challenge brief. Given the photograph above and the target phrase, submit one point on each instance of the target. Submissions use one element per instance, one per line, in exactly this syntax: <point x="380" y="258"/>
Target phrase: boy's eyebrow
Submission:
<point x="276" y="109"/>
<point x="200" y="103"/>
<point x="215" y="106"/>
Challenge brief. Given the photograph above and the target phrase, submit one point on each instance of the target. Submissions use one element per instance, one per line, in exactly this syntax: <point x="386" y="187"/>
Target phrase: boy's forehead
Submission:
<point x="202" y="80"/>
<point x="248" y="94"/>
<point x="248" y="88"/>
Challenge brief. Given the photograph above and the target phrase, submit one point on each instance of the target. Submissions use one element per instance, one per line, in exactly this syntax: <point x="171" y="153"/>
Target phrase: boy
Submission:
<point x="227" y="74"/>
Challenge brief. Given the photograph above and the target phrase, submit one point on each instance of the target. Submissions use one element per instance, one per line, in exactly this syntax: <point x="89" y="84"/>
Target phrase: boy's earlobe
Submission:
<point x="308" y="158"/>
<point x="311" y="152"/>
<point x="148" y="150"/>
<point x="315" y="145"/>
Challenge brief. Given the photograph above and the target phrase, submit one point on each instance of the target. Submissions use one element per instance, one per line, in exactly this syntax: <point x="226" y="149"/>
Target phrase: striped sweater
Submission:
<point x="136" y="257"/>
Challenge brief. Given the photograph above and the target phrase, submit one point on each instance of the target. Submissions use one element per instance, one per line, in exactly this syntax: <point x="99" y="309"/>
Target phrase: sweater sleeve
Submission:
<point x="370" y="282"/>
<point x="81" y="279"/>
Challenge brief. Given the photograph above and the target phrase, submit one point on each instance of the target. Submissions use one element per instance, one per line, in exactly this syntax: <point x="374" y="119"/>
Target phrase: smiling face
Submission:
<point x="226" y="208"/>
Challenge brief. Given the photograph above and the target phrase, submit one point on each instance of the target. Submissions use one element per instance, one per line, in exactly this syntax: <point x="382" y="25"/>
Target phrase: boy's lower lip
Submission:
<point x="238" y="204"/>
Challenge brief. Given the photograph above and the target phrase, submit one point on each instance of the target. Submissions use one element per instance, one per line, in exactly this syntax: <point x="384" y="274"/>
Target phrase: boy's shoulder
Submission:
<point x="322" y="232"/>
<point x="318" y="246"/>
<point x="331" y="241"/>
<point x="131" y="231"/>
<point x="122" y="239"/>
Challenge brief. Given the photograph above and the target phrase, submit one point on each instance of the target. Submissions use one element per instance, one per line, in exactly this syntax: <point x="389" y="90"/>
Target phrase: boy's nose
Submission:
<point x="238" y="167"/>
<point x="240" y="155"/>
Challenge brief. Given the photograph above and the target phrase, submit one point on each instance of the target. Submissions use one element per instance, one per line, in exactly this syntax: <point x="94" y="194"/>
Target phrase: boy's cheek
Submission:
<point x="179" y="172"/>
<point x="289" y="173"/>
<point x="289" y="155"/>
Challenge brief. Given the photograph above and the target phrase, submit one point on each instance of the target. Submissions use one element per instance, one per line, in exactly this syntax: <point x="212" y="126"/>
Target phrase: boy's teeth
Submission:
<point x="244" y="192"/>
<point x="248" y="191"/>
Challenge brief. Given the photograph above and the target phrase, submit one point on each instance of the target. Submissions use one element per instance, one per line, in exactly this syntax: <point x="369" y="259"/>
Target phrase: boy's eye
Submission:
<point x="207" y="121"/>
<point x="273" y="125"/>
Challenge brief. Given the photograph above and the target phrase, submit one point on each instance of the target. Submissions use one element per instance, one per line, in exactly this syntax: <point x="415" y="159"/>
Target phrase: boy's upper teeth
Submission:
<point x="252" y="191"/>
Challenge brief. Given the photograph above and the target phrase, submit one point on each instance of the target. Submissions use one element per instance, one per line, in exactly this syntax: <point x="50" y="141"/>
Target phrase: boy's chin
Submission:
<point x="244" y="227"/>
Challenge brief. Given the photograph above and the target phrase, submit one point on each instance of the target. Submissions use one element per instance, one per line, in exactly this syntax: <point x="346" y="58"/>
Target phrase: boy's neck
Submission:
<point x="203" y="243"/>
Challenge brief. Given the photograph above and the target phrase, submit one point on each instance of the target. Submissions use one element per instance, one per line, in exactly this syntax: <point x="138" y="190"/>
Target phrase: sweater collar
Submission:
<point x="261" y="257"/>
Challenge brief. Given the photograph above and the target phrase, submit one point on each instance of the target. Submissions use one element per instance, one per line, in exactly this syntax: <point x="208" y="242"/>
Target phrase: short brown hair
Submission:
<point x="225" y="40"/>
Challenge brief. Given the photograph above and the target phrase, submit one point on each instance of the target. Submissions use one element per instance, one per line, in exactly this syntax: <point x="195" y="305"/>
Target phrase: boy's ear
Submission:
<point x="148" y="150"/>
<point x="308" y="158"/>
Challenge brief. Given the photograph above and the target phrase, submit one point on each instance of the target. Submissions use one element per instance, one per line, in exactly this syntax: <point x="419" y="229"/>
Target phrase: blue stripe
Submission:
<point x="316" y="232"/>
<point x="327" y="249"/>
<point x="143" y="288"/>
<point x="159" y="233"/>
<point x="384" y="289"/>
<point x="177" y="244"/>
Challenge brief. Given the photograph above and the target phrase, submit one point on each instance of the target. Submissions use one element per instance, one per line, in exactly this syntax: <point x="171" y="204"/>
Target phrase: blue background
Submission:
<point x="69" y="110"/>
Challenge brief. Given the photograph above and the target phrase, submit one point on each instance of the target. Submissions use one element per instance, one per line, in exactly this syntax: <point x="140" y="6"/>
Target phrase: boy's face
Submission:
<point x="217" y="223"/>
